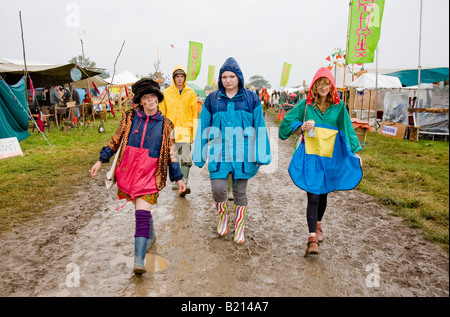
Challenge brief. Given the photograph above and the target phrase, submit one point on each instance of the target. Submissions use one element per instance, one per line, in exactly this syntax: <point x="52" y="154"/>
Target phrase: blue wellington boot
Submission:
<point x="152" y="238"/>
<point x="140" y="246"/>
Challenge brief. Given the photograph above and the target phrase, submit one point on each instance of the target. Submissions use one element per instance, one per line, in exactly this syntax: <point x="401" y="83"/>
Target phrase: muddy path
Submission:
<point x="85" y="247"/>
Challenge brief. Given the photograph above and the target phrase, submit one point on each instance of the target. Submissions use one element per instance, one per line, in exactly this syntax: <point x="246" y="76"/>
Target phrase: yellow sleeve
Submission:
<point x="162" y="106"/>
<point x="194" y="109"/>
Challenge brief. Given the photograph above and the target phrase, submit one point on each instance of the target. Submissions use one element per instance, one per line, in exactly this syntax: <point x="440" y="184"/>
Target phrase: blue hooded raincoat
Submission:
<point x="231" y="132"/>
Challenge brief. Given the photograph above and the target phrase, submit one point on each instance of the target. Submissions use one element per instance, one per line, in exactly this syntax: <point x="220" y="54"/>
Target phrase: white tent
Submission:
<point x="293" y="89"/>
<point x="368" y="81"/>
<point x="87" y="83"/>
<point x="338" y="74"/>
<point x="125" y="78"/>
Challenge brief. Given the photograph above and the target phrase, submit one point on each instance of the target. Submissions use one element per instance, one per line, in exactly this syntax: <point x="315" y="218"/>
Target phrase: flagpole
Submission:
<point x="420" y="42"/>
<point x="376" y="79"/>
<point x="419" y="66"/>
<point x="23" y="49"/>
<point x="348" y="30"/>
<point x="346" y="46"/>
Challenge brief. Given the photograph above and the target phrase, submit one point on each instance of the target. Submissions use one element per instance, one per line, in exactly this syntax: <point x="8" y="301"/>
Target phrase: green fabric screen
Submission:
<point x="13" y="116"/>
<point x="198" y="91"/>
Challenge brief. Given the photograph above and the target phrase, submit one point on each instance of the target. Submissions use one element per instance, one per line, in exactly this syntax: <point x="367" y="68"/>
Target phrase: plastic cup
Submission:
<point x="312" y="133"/>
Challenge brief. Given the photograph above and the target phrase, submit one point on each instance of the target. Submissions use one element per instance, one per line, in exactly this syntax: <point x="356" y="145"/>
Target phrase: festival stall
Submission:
<point x="119" y="89"/>
<point x="43" y="75"/>
<point x="367" y="93"/>
<point x="431" y="113"/>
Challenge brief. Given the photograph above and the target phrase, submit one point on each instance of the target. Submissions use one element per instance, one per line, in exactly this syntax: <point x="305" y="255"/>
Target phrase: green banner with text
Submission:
<point x="195" y="60"/>
<point x="364" y="30"/>
<point x="211" y="71"/>
<point x="285" y="74"/>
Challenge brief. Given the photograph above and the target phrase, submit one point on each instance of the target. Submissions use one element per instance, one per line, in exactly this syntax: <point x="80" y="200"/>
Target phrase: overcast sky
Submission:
<point x="260" y="34"/>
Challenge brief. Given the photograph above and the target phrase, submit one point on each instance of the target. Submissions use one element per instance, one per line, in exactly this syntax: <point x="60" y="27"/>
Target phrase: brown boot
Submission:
<point x="312" y="246"/>
<point x="319" y="232"/>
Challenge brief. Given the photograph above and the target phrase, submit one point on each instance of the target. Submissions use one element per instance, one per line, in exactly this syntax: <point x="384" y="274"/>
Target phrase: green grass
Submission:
<point x="411" y="179"/>
<point x="46" y="175"/>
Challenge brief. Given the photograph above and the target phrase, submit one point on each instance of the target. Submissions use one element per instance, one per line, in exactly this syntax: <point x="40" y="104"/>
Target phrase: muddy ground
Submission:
<point x="85" y="247"/>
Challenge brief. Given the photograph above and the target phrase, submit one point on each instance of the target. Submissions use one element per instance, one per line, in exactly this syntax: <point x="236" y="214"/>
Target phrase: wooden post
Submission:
<point x="56" y="115"/>
<point x="120" y="98"/>
<point x="413" y="133"/>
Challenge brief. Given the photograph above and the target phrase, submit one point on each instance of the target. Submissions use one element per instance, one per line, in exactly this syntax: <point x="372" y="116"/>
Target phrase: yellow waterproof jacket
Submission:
<point x="181" y="109"/>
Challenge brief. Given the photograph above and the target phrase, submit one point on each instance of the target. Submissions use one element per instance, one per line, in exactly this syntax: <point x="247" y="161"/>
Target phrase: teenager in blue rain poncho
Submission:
<point x="232" y="137"/>
<point x="327" y="161"/>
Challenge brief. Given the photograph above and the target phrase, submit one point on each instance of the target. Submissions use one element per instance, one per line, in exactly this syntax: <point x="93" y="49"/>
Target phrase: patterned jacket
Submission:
<point x="149" y="151"/>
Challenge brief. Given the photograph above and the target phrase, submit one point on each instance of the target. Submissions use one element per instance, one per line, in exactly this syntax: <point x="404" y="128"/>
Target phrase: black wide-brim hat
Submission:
<point x="146" y="86"/>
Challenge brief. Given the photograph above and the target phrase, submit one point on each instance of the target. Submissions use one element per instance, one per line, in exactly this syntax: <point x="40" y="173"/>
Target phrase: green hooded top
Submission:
<point x="336" y="115"/>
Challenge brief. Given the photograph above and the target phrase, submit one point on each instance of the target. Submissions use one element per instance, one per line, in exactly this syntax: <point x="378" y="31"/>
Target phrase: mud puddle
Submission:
<point x="86" y="248"/>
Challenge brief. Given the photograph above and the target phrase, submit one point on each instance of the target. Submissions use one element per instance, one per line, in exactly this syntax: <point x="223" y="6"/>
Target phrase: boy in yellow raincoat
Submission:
<point x="180" y="107"/>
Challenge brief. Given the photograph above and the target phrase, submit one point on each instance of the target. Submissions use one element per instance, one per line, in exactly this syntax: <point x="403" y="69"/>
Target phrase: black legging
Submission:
<point x="315" y="210"/>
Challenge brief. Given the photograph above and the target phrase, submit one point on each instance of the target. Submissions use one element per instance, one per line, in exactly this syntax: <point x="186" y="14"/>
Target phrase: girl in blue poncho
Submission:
<point x="327" y="161"/>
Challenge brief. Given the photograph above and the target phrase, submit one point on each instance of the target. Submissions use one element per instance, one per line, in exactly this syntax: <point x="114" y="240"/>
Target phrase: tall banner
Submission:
<point x="364" y="30"/>
<point x="195" y="60"/>
<point x="285" y="74"/>
<point x="211" y="71"/>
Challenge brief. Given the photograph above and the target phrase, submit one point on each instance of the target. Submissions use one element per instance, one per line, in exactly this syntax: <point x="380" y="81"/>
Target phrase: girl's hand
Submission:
<point x="181" y="186"/>
<point x="307" y="126"/>
<point x="95" y="168"/>
<point x="360" y="159"/>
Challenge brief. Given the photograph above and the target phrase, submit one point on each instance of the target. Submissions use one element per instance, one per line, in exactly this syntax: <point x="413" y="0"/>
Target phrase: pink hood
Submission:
<point x="323" y="72"/>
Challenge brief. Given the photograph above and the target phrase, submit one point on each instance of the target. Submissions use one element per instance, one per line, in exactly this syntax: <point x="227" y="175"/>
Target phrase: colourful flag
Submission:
<point x="95" y="86"/>
<point x="285" y="74"/>
<point x="33" y="93"/>
<point x="211" y="70"/>
<point x="195" y="60"/>
<point x="328" y="58"/>
<point x="364" y="30"/>
<point x="40" y="122"/>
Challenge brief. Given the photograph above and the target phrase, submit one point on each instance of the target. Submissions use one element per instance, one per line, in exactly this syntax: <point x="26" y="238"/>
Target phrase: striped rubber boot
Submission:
<point x="222" y="209"/>
<point x="240" y="212"/>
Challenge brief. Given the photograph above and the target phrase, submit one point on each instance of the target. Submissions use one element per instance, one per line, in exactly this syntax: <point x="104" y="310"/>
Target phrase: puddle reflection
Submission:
<point x="153" y="262"/>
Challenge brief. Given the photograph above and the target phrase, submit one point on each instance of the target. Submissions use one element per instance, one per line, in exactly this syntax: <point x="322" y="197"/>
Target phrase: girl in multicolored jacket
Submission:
<point x="146" y="153"/>
<point x="328" y="160"/>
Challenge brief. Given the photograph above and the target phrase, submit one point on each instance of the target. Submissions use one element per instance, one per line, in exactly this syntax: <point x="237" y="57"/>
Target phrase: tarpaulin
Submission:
<point x="13" y="111"/>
